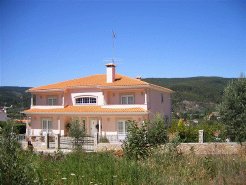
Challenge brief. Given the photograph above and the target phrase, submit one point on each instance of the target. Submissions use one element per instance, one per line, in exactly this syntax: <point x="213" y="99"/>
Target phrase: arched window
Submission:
<point x="85" y="100"/>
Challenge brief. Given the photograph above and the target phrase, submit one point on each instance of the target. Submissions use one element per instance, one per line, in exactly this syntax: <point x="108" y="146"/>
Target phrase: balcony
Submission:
<point x="47" y="106"/>
<point x="124" y="106"/>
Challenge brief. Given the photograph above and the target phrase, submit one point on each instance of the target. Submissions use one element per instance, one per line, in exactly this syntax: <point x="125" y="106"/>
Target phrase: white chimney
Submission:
<point x="110" y="72"/>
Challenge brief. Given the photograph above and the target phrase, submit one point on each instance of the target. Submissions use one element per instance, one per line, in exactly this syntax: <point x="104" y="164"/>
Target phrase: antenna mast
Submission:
<point x="113" y="48"/>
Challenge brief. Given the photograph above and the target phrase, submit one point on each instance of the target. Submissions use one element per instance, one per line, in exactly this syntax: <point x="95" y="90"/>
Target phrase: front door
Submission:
<point x="93" y="126"/>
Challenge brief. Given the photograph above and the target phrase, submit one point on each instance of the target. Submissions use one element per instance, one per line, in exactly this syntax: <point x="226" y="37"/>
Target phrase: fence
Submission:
<point x="112" y="138"/>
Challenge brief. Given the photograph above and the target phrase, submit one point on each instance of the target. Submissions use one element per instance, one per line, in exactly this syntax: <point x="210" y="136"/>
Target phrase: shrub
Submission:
<point x="14" y="164"/>
<point x="136" y="146"/>
<point x="142" y="138"/>
<point x="77" y="131"/>
<point x="213" y="131"/>
<point x="233" y="111"/>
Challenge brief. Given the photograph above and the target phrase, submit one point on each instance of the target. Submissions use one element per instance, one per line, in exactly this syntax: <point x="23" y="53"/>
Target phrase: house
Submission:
<point x="102" y="103"/>
<point x="3" y="114"/>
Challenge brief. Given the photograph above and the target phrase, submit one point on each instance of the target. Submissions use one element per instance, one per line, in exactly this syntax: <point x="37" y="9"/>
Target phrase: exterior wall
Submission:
<point x="114" y="97"/>
<point x="71" y="94"/>
<point x="42" y="99"/>
<point x="108" y="123"/>
<point x="36" y="124"/>
<point x="157" y="106"/>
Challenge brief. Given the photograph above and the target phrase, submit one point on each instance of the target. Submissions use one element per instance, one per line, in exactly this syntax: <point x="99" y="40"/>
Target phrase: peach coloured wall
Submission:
<point x="36" y="121"/>
<point x="42" y="99"/>
<point x="109" y="123"/>
<point x="113" y="97"/>
<point x="156" y="106"/>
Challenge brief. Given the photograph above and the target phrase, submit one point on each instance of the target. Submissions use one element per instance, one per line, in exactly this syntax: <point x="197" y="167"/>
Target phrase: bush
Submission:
<point x="213" y="131"/>
<point x="136" y="146"/>
<point x="15" y="167"/>
<point x="142" y="138"/>
<point x="233" y="111"/>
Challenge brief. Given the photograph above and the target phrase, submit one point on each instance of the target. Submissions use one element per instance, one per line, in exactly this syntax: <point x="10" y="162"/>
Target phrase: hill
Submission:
<point x="195" y="94"/>
<point x="15" y="96"/>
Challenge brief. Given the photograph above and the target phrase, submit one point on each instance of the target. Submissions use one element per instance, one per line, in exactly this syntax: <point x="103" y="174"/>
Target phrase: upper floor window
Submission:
<point x="127" y="99"/>
<point x="52" y="100"/>
<point x="85" y="100"/>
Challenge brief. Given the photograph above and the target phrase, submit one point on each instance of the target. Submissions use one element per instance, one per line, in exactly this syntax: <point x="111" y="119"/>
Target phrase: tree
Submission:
<point x="77" y="131"/>
<point x="15" y="166"/>
<point x="233" y="109"/>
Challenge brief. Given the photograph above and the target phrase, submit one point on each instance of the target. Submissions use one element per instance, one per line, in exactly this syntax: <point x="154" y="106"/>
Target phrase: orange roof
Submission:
<point x="98" y="80"/>
<point x="86" y="110"/>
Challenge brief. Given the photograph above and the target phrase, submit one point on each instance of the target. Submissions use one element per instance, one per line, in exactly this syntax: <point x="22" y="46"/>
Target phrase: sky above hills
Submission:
<point x="43" y="42"/>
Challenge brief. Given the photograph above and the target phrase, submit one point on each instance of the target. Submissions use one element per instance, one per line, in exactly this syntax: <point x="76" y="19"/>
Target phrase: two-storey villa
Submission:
<point x="102" y="103"/>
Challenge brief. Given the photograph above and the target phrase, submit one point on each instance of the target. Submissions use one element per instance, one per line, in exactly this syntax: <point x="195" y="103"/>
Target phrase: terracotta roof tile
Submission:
<point x="87" y="109"/>
<point x="94" y="80"/>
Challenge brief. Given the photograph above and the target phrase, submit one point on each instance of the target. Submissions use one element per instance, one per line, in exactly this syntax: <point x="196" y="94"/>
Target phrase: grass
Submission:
<point x="160" y="168"/>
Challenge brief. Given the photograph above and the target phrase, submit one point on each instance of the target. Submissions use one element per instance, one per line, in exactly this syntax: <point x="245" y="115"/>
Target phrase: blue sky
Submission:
<point x="43" y="42"/>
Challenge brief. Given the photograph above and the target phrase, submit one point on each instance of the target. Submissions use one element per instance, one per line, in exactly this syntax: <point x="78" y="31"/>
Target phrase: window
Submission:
<point x="46" y="125"/>
<point x="52" y="101"/>
<point x="127" y="99"/>
<point x="122" y="127"/>
<point x="85" y="100"/>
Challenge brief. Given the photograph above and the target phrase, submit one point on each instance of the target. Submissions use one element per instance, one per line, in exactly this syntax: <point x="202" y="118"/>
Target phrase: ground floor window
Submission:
<point x="122" y="127"/>
<point x="46" y="125"/>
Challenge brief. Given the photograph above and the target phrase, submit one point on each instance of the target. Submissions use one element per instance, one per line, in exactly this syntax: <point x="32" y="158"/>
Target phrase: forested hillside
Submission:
<point x="15" y="96"/>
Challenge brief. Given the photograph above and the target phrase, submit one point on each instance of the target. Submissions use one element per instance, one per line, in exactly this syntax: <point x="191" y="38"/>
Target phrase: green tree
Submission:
<point x="233" y="109"/>
<point x="15" y="167"/>
<point x="77" y="131"/>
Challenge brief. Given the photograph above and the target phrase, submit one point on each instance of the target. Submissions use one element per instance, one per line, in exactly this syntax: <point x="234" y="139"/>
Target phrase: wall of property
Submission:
<point x="157" y="106"/>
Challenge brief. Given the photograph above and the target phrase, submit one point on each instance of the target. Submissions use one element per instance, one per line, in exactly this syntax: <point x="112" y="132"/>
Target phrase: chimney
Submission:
<point x="110" y="72"/>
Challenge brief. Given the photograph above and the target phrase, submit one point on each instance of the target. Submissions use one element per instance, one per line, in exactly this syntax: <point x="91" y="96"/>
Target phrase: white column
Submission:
<point x="63" y="100"/>
<point x="59" y="125"/>
<point x="32" y="100"/>
<point x="100" y="124"/>
<point x="145" y="97"/>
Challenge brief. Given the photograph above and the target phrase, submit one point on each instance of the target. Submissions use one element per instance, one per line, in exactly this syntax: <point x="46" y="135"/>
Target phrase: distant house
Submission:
<point x="3" y="115"/>
<point x="102" y="103"/>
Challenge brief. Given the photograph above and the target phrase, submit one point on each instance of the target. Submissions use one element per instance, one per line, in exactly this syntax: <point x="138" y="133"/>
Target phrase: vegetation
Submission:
<point x="17" y="97"/>
<point x="15" y="167"/>
<point x="77" y="131"/>
<point x="233" y="109"/>
<point x="142" y="138"/>
<point x="160" y="168"/>
<point x="214" y="131"/>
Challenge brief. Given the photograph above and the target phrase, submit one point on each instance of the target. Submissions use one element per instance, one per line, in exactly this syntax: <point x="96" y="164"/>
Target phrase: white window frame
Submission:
<point x="127" y="99"/>
<point x="124" y="127"/>
<point x="52" y="100"/>
<point x="46" y="124"/>
<point x="83" y="102"/>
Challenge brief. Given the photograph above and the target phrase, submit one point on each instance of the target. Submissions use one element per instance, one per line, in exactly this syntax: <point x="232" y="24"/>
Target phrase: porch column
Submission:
<point x="100" y="129"/>
<point x="145" y="97"/>
<point x="59" y="125"/>
<point x="32" y="100"/>
<point x="63" y="100"/>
